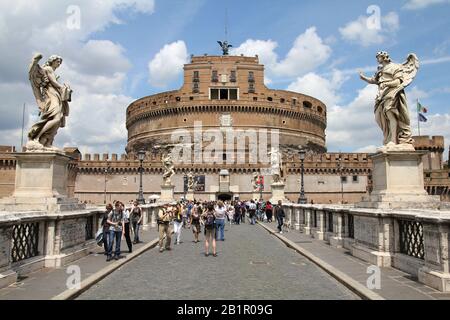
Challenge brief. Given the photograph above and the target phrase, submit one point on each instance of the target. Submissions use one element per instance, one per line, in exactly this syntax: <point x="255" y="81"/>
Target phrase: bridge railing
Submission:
<point x="414" y="241"/>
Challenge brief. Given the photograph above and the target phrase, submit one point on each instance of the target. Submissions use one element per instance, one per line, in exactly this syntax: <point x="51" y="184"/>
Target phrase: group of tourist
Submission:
<point x="118" y="222"/>
<point x="209" y="216"/>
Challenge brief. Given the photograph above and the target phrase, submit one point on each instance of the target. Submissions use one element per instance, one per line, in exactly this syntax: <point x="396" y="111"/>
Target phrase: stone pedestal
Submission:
<point x="277" y="193"/>
<point x="190" y="195"/>
<point x="256" y="195"/>
<point x="167" y="193"/>
<point x="41" y="184"/>
<point x="398" y="182"/>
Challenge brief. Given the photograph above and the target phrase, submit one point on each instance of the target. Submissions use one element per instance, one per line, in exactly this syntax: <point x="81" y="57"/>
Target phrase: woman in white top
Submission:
<point x="221" y="214"/>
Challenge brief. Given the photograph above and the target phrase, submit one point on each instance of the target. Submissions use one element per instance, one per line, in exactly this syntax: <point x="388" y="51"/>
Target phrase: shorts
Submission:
<point x="210" y="233"/>
<point x="196" y="228"/>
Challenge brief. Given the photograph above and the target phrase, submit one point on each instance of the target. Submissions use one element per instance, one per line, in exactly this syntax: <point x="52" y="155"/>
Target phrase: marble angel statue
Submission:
<point x="255" y="182"/>
<point x="191" y="181"/>
<point x="276" y="163"/>
<point x="168" y="168"/>
<point x="53" y="102"/>
<point x="391" y="109"/>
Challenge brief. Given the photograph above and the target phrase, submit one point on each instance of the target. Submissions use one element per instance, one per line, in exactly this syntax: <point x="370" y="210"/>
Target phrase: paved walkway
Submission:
<point x="47" y="283"/>
<point x="250" y="265"/>
<point x="395" y="284"/>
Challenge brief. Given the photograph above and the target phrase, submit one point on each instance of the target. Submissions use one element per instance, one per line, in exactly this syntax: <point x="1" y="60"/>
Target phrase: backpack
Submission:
<point x="209" y="221"/>
<point x="269" y="206"/>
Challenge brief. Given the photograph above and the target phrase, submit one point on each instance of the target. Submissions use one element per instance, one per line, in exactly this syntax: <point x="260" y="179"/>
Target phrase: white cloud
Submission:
<point x="319" y="87"/>
<point x="422" y="4"/>
<point x="307" y="53"/>
<point x="95" y="69"/>
<point x="167" y="63"/>
<point x="362" y="32"/>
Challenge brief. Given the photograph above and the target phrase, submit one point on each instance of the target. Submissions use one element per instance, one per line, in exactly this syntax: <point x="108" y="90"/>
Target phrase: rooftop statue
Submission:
<point x="53" y="102"/>
<point x="391" y="109"/>
<point x="225" y="46"/>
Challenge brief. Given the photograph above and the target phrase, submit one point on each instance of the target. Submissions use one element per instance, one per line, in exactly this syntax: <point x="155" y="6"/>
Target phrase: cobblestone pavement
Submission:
<point x="251" y="264"/>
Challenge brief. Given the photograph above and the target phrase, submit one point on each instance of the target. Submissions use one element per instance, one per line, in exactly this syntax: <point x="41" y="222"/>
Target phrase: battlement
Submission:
<point x="436" y="143"/>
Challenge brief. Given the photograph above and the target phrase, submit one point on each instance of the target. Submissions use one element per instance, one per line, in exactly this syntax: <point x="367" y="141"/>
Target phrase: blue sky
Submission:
<point x="313" y="47"/>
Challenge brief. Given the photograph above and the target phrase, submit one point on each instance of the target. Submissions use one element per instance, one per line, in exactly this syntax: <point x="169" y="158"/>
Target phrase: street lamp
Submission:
<point x="106" y="171"/>
<point x="341" y="178"/>
<point x="141" y="156"/>
<point x="302" y="199"/>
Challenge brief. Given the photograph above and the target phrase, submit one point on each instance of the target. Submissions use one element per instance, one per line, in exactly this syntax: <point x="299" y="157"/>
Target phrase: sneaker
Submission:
<point x="161" y="250"/>
<point x="214" y="254"/>
<point x="206" y="254"/>
<point x="116" y="257"/>
<point x="108" y="258"/>
<point x="281" y="232"/>
<point x="168" y="249"/>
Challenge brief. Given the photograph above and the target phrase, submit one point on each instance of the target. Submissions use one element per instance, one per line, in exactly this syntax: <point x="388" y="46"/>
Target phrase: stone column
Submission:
<point x="307" y="227"/>
<point x="338" y="227"/>
<point x="7" y="275"/>
<point x="318" y="232"/>
<point x="296" y="218"/>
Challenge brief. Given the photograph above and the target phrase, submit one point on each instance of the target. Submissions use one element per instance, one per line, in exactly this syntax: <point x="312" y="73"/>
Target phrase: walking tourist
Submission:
<point x="136" y="220"/>
<point x="195" y="221"/>
<point x="115" y="221"/>
<point x="279" y="214"/>
<point x="269" y="212"/>
<point x="208" y="219"/>
<point x="126" y="227"/>
<point x="237" y="213"/>
<point x="105" y="226"/>
<point x="177" y="223"/>
<point x="221" y="214"/>
<point x="230" y="213"/>
<point x="164" y="218"/>
<point x="252" y="212"/>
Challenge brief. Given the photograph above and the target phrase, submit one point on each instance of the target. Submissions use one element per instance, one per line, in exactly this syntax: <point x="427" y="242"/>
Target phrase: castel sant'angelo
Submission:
<point x="224" y="93"/>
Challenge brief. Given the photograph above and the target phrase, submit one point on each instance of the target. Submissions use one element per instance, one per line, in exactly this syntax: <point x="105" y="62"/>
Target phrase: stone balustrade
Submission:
<point x="414" y="241"/>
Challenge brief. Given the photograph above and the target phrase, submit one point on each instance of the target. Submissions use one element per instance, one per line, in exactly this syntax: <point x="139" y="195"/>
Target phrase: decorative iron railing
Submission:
<point x="411" y="238"/>
<point x="25" y="241"/>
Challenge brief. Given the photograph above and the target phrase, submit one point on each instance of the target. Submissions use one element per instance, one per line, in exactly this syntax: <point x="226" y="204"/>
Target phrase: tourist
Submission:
<point x="243" y="211"/>
<point x="195" y="221"/>
<point x="252" y="212"/>
<point x="230" y="213"/>
<point x="189" y="207"/>
<point x="221" y="214"/>
<point x="279" y="214"/>
<point x="126" y="226"/>
<point x="136" y="220"/>
<point x="208" y="219"/>
<point x="269" y="212"/>
<point x="115" y="221"/>
<point x="177" y="222"/>
<point x="164" y="218"/>
<point x="105" y="226"/>
<point x="237" y="213"/>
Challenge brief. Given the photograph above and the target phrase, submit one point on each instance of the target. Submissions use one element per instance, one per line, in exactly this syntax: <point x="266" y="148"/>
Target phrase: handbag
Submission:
<point x="99" y="237"/>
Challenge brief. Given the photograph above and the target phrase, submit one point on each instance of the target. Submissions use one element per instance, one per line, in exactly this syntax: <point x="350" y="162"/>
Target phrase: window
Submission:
<point x="215" y="77"/>
<point x="233" y="76"/>
<point x="307" y="104"/>
<point x="256" y="99"/>
<point x="196" y="77"/>
<point x="251" y="76"/>
<point x="282" y="100"/>
<point x="224" y="94"/>
<point x="355" y="178"/>
<point x="178" y="98"/>
<point x="251" y="87"/>
<point x="428" y="175"/>
<point x="344" y="179"/>
<point x="269" y="99"/>
<point x="294" y="101"/>
<point x="224" y="156"/>
<point x="191" y="98"/>
<point x="319" y="109"/>
<point x="195" y="88"/>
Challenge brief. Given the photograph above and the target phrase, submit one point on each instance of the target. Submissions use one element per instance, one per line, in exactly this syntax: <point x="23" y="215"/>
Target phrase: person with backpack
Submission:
<point x="136" y="220"/>
<point x="269" y="212"/>
<point x="279" y="214"/>
<point x="105" y="227"/>
<point x="208" y="219"/>
<point x="116" y="231"/>
<point x="237" y="213"/>
<point x="164" y="219"/>
<point x="196" y="213"/>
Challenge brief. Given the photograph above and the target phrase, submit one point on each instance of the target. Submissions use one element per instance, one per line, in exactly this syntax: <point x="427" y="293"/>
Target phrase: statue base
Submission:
<point x="41" y="184"/>
<point x="190" y="195"/>
<point x="166" y="193"/>
<point x="277" y="193"/>
<point x="398" y="182"/>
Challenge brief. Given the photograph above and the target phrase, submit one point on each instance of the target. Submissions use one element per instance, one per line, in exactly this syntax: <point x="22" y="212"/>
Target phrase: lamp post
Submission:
<point x="106" y="171"/>
<point x="340" y="177"/>
<point x="141" y="156"/>
<point x="302" y="199"/>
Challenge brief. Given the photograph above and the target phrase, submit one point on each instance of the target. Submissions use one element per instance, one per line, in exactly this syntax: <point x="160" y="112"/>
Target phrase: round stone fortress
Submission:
<point x="225" y="91"/>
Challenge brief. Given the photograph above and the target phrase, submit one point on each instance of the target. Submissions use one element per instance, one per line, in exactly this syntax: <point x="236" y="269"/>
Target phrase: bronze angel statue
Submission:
<point x="225" y="46"/>
<point x="391" y="109"/>
<point x="52" y="99"/>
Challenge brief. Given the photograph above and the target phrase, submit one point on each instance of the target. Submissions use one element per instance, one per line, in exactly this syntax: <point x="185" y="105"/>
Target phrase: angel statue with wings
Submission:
<point x="192" y="183"/>
<point x="391" y="109"/>
<point x="276" y="163"/>
<point x="53" y="101"/>
<point x="225" y="46"/>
